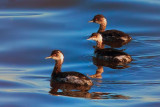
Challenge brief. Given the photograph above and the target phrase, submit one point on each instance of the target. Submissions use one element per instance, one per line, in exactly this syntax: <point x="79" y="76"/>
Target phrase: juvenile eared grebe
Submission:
<point x="113" y="38"/>
<point x="66" y="77"/>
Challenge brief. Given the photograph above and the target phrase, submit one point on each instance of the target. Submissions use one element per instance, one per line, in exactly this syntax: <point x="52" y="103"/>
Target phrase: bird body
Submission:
<point x="113" y="38"/>
<point x="72" y="78"/>
<point x="75" y="78"/>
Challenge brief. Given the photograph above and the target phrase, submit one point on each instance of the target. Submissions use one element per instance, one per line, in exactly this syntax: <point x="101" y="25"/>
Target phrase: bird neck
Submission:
<point x="57" y="67"/>
<point x="100" y="45"/>
<point x="102" y="27"/>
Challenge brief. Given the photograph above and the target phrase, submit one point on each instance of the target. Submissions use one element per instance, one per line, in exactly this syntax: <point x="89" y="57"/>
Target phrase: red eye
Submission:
<point x="54" y="55"/>
<point x="96" y="19"/>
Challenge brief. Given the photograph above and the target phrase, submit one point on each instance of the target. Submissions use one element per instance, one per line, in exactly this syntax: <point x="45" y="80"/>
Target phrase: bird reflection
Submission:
<point x="108" y="57"/>
<point x="72" y="90"/>
<point x="112" y="58"/>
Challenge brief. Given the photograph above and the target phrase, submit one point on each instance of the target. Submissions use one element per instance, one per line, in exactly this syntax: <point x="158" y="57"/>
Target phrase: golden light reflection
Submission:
<point x="24" y="14"/>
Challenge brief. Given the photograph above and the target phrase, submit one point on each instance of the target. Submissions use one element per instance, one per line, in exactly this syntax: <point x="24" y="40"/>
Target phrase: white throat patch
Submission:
<point x="99" y="37"/>
<point x="105" y="21"/>
<point x="61" y="57"/>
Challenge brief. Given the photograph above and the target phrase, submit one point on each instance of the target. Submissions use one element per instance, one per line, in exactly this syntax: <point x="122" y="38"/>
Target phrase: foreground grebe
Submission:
<point x="113" y="38"/>
<point x="66" y="77"/>
<point x="109" y="57"/>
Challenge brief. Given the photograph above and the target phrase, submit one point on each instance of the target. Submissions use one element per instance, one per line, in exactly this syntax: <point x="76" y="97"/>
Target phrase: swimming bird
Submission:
<point x="66" y="77"/>
<point x="113" y="38"/>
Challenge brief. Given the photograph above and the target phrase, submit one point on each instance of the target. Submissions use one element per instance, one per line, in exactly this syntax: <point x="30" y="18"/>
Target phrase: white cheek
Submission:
<point x="62" y="57"/>
<point x="105" y="21"/>
<point x="97" y="22"/>
<point x="100" y="39"/>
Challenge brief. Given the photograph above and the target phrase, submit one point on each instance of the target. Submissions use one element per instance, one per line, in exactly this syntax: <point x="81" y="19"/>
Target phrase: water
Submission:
<point x="31" y="29"/>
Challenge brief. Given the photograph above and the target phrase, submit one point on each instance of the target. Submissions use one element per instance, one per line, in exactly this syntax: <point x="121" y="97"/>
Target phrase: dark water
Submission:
<point x="31" y="29"/>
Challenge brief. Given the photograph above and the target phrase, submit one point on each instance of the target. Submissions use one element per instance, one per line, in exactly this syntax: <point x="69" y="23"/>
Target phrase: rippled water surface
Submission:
<point x="31" y="29"/>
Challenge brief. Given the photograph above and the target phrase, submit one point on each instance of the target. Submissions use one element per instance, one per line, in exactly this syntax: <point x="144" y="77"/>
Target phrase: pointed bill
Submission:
<point x="89" y="39"/>
<point x="91" y="21"/>
<point x="48" y="57"/>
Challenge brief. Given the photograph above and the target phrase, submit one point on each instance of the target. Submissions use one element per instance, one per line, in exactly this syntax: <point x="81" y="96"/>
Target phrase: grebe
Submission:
<point x="66" y="77"/>
<point x="109" y="57"/>
<point x="113" y="38"/>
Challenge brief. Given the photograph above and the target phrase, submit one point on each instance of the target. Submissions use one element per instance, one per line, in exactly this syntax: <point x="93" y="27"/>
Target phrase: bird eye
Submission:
<point x="54" y="55"/>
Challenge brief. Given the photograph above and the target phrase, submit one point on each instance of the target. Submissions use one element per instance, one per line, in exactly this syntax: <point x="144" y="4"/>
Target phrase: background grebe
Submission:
<point x="113" y="38"/>
<point x="66" y="77"/>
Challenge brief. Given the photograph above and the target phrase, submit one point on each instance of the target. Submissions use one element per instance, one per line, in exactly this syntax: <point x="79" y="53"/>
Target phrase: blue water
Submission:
<point x="31" y="29"/>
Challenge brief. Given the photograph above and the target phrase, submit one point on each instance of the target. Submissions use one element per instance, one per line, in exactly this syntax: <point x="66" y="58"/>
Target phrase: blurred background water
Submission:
<point x="31" y="29"/>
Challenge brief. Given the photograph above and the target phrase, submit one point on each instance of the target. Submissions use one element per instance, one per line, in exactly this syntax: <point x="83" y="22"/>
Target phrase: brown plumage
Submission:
<point x="108" y="56"/>
<point x="113" y="58"/>
<point x="113" y="38"/>
<point x="66" y="77"/>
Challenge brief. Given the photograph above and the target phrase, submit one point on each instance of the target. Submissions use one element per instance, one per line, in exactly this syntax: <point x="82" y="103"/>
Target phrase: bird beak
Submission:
<point x="48" y="57"/>
<point x="91" y="21"/>
<point x="89" y="38"/>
